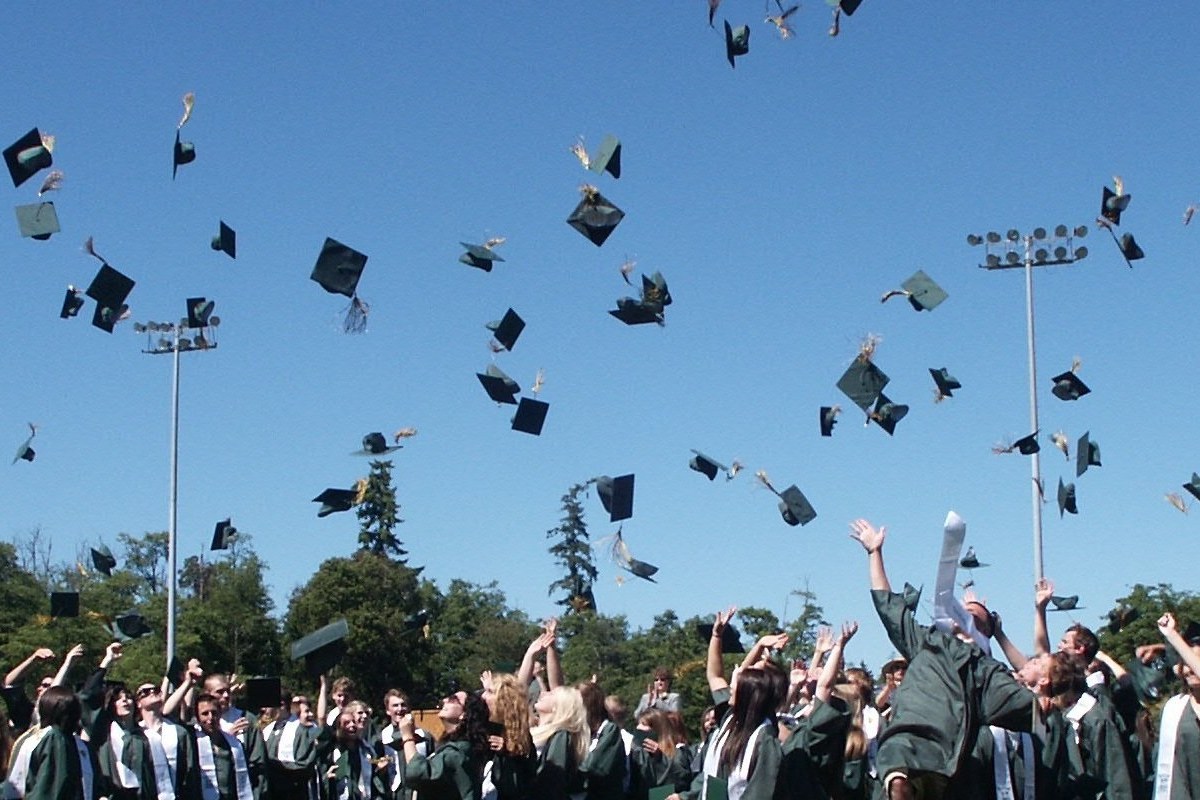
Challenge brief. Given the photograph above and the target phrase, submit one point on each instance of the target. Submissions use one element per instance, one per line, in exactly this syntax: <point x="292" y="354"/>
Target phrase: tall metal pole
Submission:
<point x="172" y="549"/>
<point x="1035" y="462"/>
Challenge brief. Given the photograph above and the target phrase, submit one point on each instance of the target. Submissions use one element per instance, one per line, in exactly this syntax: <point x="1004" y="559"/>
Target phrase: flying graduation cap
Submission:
<point x="840" y="6"/>
<point x="887" y="414"/>
<point x="1113" y="203"/>
<point x="621" y="556"/>
<point x="737" y="42"/>
<point x="225" y="241"/>
<point x="338" y="270"/>
<point x="971" y="561"/>
<point x="25" y="449"/>
<point x="336" y="500"/>
<point x="862" y="381"/>
<point x="595" y="216"/>
<point x="64" y="605"/>
<point x="223" y="535"/>
<point x="375" y="444"/>
<point x="1068" y="386"/>
<point x="1070" y="603"/>
<point x="616" y="495"/>
<point x="103" y="560"/>
<point x="499" y="387"/>
<point x="72" y="302"/>
<point x="37" y="220"/>
<point x="656" y="296"/>
<point x="793" y="505"/>
<point x="127" y="627"/>
<point x="184" y="152"/>
<point x="1087" y="454"/>
<point x="1026" y="446"/>
<point x="1066" y="498"/>
<point x="829" y="415"/>
<point x="607" y="158"/>
<point x="706" y="466"/>
<point x="944" y="382"/>
<point x="481" y="256"/>
<point x="507" y="330"/>
<point x="322" y="649"/>
<point x="28" y="155"/>
<point x="1192" y="487"/>
<point x="921" y="290"/>
<point x="109" y="289"/>
<point x="731" y="639"/>
<point x="531" y="413"/>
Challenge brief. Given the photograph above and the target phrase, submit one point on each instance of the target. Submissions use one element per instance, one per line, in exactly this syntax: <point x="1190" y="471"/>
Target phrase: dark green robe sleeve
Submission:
<point x="604" y="767"/>
<point x="899" y="622"/>
<point x="556" y="771"/>
<point x="448" y="774"/>
<point x="54" y="772"/>
<point x="1103" y="768"/>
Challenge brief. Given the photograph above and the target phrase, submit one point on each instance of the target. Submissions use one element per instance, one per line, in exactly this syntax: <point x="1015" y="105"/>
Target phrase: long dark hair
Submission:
<point x="112" y="693"/>
<point x="58" y="706"/>
<point x="473" y="730"/>
<point x="759" y="693"/>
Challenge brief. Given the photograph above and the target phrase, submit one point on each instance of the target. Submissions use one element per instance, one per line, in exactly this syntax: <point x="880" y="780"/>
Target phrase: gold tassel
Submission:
<point x="189" y="102"/>
<point x="581" y="153"/>
<point x="360" y="491"/>
<point x="1176" y="501"/>
<point x="404" y="433"/>
<point x="761" y="475"/>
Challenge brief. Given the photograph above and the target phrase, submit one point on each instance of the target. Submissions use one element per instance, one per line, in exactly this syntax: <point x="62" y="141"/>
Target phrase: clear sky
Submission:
<point x="780" y="199"/>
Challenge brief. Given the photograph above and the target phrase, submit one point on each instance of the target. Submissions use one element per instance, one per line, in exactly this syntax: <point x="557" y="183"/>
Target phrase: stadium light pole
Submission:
<point x="175" y="339"/>
<point x="1014" y="251"/>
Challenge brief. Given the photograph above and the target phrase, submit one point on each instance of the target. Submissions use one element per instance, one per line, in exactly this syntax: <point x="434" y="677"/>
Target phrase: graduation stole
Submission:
<point x="1172" y="715"/>
<point x="18" y="763"/>
<point x="342" y="759"/>
<point x="126" y="778"/>
<point x="1083" y="705"/>
<point x="86" y="777"/>
<point x="286" y="751"/>
<point x="209" y="787"/>
<point x="164" y="749"/>
<point x="1000" y="767"/>
<point x="870" y="728"/>
<point x="739" y="777"/>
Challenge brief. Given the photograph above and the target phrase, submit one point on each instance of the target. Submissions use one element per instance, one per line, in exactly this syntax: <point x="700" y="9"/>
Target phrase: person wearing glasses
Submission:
<point x="455" y="769"/>
<point x="172" y="748"/>
<point x="243" y="726"/>
<point x="21" y="713"/>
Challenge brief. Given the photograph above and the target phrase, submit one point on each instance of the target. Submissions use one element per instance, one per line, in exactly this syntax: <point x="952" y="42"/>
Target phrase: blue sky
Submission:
<point x="779" y="199"/>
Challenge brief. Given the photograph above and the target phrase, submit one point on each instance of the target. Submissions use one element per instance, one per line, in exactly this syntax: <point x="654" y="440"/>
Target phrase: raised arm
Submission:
<point x="1013" y="653"/>
<point x="181" y="697"/>
<point x="833" y="665"/>
<point x="1166" y="626"/>
<point x="821" y="648"/>
<point x="1119" y="672"/>
<point x="554" y="674"/>
<point x="872" y="541"/>
<point x="714" y="668"/>
<point x="772" y="641"/>
<point x="73" y="655"/>
<point x="322" y="701"/>
<point x="536" y="647"/>
<point x="1041" y="639"/>
<point x="15" y="674"/>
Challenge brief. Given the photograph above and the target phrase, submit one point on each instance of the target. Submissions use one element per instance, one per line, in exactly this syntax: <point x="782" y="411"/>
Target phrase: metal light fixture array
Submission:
<point x="177" y="336"/>
<point x="1008" y="251"/>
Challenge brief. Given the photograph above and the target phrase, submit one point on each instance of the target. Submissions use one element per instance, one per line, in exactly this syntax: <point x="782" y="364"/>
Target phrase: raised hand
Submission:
<point x="867" y="535"/>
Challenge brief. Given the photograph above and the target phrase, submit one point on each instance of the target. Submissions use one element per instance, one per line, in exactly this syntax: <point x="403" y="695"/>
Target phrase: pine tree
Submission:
<point x="573" y="552"/>
<point x="378" y="514"/>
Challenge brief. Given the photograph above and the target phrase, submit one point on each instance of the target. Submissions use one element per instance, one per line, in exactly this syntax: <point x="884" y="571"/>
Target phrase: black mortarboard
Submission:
<point x="417" y="620"/>
<point x="322" y="649"/>
<point x="184" y="153"/>
<point x="1120" y="617"/>
<point x="608" y="157"/>
<point x="862" y="382"/>
<point x="595" y="216"/>
<point x="261" y="693"/>
<point x="199" y="310"/>
<point x="737" y="42"/>
<point x="223" y="535"/>
<point x="1068" y="386"/>
<point x="26" y="156"/>
<point x="64" y="604"/>
<point x="109" y="289"/>
<point x="829" y="416"/>
<point x="1087" y="454"/>
<point x="1066" y="498"/>
<point x="225" y="241"/>
<point x="731" y="640"/>
<point x="794" y="507"/>
<point x="616" y="495"/>
<point x="1129" y="248"/>
<point x="641" y="569"/>
<point x="946" y="383"/>
<point x="508" y="329"/>
<point x="1065" y="603"/>
<point x="335" y="500"/>
<point x="175" y="670"/>
<point x="375" y="444"/>
<point x="129" y="626"/>
<point x="705" y="465"/>
<point x="887" y="414"/>
<point x="72" y="302"/>
<point x="38" y="220"/>
<point x="103" y="561"/>
<point x="1192" y="487"/>
<point x="479" y="256"/>
<point x="1112" y="204"/>
<point x="530" y="416"/>
<point x="923" y="293"/>
<point x="1149" y="681"/>
<point x="655" y="291"/>
<point x="339" y="268"/>
<point x="25" y="451"/>
<point x="500" y="387"/>
<point x="1028" y="445"/>
<point x="635" y="312"/>
<point x="849" y="6"/>
<point x="971" y="561"/>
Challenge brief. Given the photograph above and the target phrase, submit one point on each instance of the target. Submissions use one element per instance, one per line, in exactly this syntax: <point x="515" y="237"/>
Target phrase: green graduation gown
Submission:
<point x="1185" y="771"/>
<point x="766" y="761"/>
<point x="55" y="771"/>
<point x="291" y="780"/>
<point x="604" y="767"/>
<point x="135" y="749"/>
<point x="451" y="773"/>
<point x="812" y="767"/>
<point x="1099" y="763"/>
<point x="558" y="774"/>
<point x="651" y="770"/>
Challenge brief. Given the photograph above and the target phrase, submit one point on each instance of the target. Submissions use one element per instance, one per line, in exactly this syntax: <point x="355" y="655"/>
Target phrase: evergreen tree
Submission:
<point x="378" y="515"/>
<point x="573" y="552"/>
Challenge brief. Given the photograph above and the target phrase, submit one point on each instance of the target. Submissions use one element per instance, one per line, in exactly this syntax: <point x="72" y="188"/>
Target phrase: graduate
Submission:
<point x="455" y="769"/>
<point x="604" y="767"/>
<point x="291" y="748"/>
<point x="561" y="738"/>
<point x="1177" y="767"/>
<point x="116" y="737"/>
<point x="349" y="769"/>
<point x="225" y="765"/>
<point x="658" y="757"/>
<point x="171" y="745"/>
<point x="244" y="727"/>
<point x="513" y="767"/>
<point x="61" y="767"/>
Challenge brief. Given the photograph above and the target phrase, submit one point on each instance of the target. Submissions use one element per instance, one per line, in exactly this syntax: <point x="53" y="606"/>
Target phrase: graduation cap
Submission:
<point x="1113" y="203"/>
<point x="1192" y="487"/>
<point x="339" y="268"/>
<point x="1065" y="603"/>
<point x="624" y="559"/>
<point x="706" y="466"/>
<point x="595" y="216"/>
<point x="335" y="500"/>
<point x="199" y="311"/>
<point x="1121" y="617"/>
<point x="72" y="302"/>
<point x="480" y="256"/>
<point x="109" y="289"/>
<point x="886" y="413"/>
<point x="737" y="42"/>
<point x="64" y="604"/>
<point x="223" y="535"/>
<point x="616" y="495"/>
<point x="635" y="312"/>
<point x="261" y="693"/>
<point x="862" y="382"/>
<point x="922" y="292"/>
<point x="970" y="560"/>
<point x="500" y="387"/>
<point x="1068" y="386"/>
<point x="27" y="155"/>
<point x="1087" y="454"/>
<point x="1129" y="249"/>
<point x="375" y="444"/>
<point x="417" y="620"/>
<point x="829" y="415"/>
<point x="185" y="152"/>
<point x="225" y="241"/>
<point x="103" y="560"/>
<point x="945" y="382"/>
<point x="794" y="507"/>
<point x="607" y="158"/>
<point x="37" y="220"/>
<point x="1066" y="498"/>
<point x="530" y="416"/>
<point x="322" y="649"/>
<point x="25" y="450"/>
<point x="1149" y="681"/>
<point x="847" y="6"/>
<point x="508" y="329"/>
<point x="731" y="640"/>
<point x="129" y="626"/>
<point x="1027" y="445"/>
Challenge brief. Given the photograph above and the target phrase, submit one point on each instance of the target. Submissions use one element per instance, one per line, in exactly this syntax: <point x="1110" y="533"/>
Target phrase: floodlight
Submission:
<point x="993" y="237"/>
<point x="1080" y="252"/>
<point x="1013" y="234"/>
<point x="1011" y="257"/>
<point x="1081" y="231"/>
<point x="1060" y="252"/>
<point x="1060" y="231"/>
<point x="1039" y="233"/>
<point x="993" y="260"/>
<point x="1041" y="254"/>
<point x="973" y="239"/>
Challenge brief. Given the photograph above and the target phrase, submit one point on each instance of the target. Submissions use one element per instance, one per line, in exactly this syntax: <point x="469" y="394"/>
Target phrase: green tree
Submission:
<point x="21" y="594"/>
<point x="146" y="557"/>
<point x="471" y="629"/>
<point x="573" y="552"/>
<point x="801" y="629"/>
<point x="378" y="514"/>
<point x="1148" y="603"/>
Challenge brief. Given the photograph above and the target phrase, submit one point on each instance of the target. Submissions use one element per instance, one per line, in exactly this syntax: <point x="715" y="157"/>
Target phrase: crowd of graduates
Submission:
<point x="950" y="721"/>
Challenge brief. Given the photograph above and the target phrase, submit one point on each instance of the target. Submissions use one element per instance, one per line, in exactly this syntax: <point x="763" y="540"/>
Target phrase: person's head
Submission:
<point x="662" y="680"/>
<point x="1080" y="642"/>
<point x="296" y="701"/>
<point x="859" y="680"/>
<point x="760" y="691"/>
<point x="45" y="683"/>
<point x="1065" y="681"/>
<point x="342" y="691"/>
<point x="217" y="685"/>
<point x="1032" y="673"/>
<point x="510" y="707"/>
<point x="472" y="725"/>
<point x="617" y="710"/>
<point x="362" y="713"/>
<point x="593" y="703"/>
<point x="208" y="713"/>
<point x="347" y="729"/>
<point x="708" y="720"/>
<point x="451" y="710"/>
<point x="675" y="724"/>
<point x="564" y="711"/>
<point x="893" y="671"/>
<point x="58" y="706"/>
<point x="1190" y="679"/>
<point x="544" y="706"/>
<point x="304" y="711"/>
<point x="148" y="697"/>
<point x="985" y="623"/>
<point x="118" y="701"/>
<point x="395" y="705"/>
<point x="655" y="721"/>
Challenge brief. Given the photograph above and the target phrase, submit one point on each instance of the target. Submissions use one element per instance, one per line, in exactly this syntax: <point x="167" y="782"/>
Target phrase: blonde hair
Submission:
<point x="569" y="715"/>
<point x="856" y="738"/>
<point x="511" y="708"/>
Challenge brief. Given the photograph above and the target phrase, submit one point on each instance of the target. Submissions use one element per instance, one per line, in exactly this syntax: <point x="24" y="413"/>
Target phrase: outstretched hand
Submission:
<point x="1042" y="590"/>
<point x="867" y="535"/>
<point x="722" y="619"/>
<point x="1166" y="623"/>
<point x="848" y="631"/>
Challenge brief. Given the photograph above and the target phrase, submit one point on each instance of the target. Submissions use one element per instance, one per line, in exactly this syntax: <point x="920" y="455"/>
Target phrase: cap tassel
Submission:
<point x="52" y="183"/>
<point x="866" y="350"/>
<point x="734" y="469"/>
<point x="1187" y="214"/>
<point x="90" y="249"/>
<point x="589" y="192"/>
<point x="581" y="153"/>
<point x="360" y="491"/>
<point x="356" y="316"/>
<point x="627" y="269"/>
<point x="1000" y="448"/>
<point x="1176" y="501"/>
<point x="404" y="433"/>
<point x="48" y="142"/>
<point x="189" y="102"/>
<point x="539" y="380"/>
<point x="1118" y="185"/>
<point x="762" y="477"/>
<point x="1060" y="441"/>
<point x="836" y="27"/>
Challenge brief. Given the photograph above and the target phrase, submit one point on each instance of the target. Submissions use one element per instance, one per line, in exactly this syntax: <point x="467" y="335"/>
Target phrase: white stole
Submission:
<point x="1001" y="773"/>
<point x="286" y="753"/>
<point x="1172" y="715"/>
<point x="739" y="776"/>
<point x="125" y="777"/>
<point x="365" y="768"/>
<point x="231" y="716"/>
<point x="870" y="728"/>
<point x="1083" y="705"/>
<point x="14" y="786"/>
<point x="164" y="749"/>
<point x="86" y="777"/>
<point x="209" y="787"/>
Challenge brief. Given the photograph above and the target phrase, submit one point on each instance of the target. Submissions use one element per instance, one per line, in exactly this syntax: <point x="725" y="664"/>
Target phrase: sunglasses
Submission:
<point x="146" y="692"/>
<point x="45" y="685"/>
